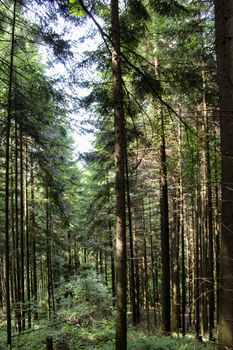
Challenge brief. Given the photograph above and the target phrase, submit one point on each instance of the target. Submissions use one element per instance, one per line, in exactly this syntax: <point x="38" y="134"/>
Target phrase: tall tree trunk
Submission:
<point x="152" y="254"/>
<point x="7" y="167"/>
<point x="14" y="291"/>
<point x="175" y="270"/>
<point x="165" y="239"/>
<point x="121" y="275"/>
<point x="1" y="286"/>
<point x="22" y="227"/>
<point x="197" y="228"/>
<point x="33" y="227"/>
<point x="145" y="268"/>
<point x="111" y="253"/>
<point x="135" y="318"/>
<point x="183" y="260"/>
<point x="18" y="298"/>
<point x="27" y="239"/>
<point x="217" y="227"/>
<point x="224" y="50"/>
<point x="48" y="252"/>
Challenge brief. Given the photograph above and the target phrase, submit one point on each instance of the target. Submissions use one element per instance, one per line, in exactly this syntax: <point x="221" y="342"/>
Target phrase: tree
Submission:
<point x="120" y="266"/>
<point x="224" y="50"/>
<point x="7" y="166"/>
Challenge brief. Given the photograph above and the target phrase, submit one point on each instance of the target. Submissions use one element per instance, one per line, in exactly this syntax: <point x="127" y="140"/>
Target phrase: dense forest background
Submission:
<point x="127" y="245"/>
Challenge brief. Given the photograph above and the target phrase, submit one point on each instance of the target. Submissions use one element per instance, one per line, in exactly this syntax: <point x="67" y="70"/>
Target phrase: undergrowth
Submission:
<point x="85" y="320"/>
<point x="100" y="336"/>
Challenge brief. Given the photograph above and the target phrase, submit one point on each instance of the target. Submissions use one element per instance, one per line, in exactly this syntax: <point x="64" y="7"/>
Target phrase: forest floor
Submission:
<point x="98" y="335"/>
<point x="85" y="319"/>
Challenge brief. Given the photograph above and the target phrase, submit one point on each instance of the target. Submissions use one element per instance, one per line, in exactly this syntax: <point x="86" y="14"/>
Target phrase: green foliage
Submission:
<point x="99" y="336"/>
<point x="169" y="8"/>
<point x="76" y="9"/>
<point x="142" y="341"/>
<point x="84" y="299"/>
<point x="137" y="10"/>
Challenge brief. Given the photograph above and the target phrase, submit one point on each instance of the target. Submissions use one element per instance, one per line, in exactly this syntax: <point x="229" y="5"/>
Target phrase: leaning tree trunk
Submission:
<point x="224" y="50"/>
<point x="121" y="279"/>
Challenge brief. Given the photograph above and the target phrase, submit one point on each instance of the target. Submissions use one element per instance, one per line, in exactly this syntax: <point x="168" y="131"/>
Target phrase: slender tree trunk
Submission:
<point x="69" y="251"/>
<point x="197" y="264"/>
<point x="14" y="291"/>
<point x="112" y="262"/>
<point x="18" y="273"/>
<point x="165" y="239"/>
<point x="145" y="269"/>
<point x="135" y="319"/>
<point x="106" y="268"/>
<point x="191" y="263"/>
<point x="27" y="240"/>
<point x="33" y="227"/>
<point x="1" y="286"/>
<point x="101" y="261"/>
<point x="7" y="167"/>
<point x="183" y="257"/>
<point x="121" y="274"/>
<point x="137" y="278"/>
<point x="97" y="262"/>
<point x="22" y="227"/>
<point x="51" y="257"/>
<point x="152" y="254"/>
<point x="211" y="282"/>
<point x="14" y="288"/>
<point x="224" y="50"/>
<point x="175" y="270"/>
<point x="48" y="252"/>
<point x="217" y="227"/>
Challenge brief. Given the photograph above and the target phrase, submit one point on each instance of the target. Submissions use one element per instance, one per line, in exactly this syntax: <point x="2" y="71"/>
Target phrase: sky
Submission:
<point x="82" y="141"/>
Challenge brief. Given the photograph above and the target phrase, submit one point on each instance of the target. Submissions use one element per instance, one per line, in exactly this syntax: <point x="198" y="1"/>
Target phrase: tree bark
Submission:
<point x="224" y="50"/>
<point x="7" y="196"/>
<point x="33" y="226"/>
<point x="165" y="239"/>
<point x="135" y="318"/>
<point x="27" y="240"/>
<point x="121" y="278"/>
<point x="18" y="309"/>
<point x="22" y="227"/>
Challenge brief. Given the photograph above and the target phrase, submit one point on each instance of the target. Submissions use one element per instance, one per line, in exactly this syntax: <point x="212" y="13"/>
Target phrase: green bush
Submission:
<point x="84" y="299"/>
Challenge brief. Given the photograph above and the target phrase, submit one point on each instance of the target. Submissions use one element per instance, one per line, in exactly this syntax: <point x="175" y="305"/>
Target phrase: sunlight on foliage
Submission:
<point x="76" y="9"/>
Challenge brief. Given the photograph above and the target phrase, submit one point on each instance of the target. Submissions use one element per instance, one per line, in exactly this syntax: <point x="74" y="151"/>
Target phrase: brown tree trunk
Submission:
<point x="33" y="227"/>
<point x="153" y="269"/>
<point x="165" y="239"/>
<point x="27" y="239"/>
<point x="145" y="269"/>
<point x="135" y="318"/>
<point x="175" y="270"/>
<point x="48" y="252"/>
<point x="22" y="227"/>
<point x="7" y="167"/>
<point x="18" y="274"/>
<point x="197" y="292"/>
<point x="121" y="279"/>
<point x="224" y="50"/>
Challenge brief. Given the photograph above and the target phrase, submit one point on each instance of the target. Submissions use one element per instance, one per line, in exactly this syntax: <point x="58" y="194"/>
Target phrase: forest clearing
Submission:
<point x="116" y="177"/>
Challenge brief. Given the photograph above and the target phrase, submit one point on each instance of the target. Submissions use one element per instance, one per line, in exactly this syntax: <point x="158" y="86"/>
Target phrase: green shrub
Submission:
<point x="84" y="299"/>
